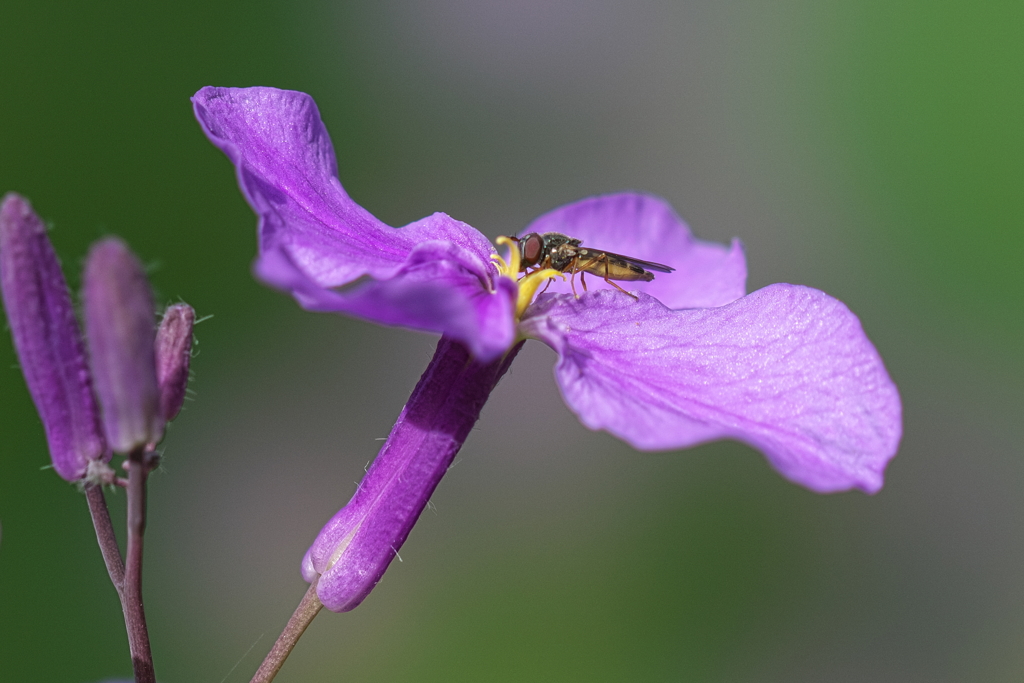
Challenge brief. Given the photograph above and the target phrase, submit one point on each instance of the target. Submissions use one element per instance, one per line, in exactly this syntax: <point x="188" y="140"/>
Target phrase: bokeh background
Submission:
<point x="874" y="150"/>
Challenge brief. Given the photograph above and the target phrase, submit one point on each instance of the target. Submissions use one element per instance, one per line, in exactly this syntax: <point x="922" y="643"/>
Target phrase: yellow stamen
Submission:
<point x="529" y="283"/>
<point x="511" y="267"/>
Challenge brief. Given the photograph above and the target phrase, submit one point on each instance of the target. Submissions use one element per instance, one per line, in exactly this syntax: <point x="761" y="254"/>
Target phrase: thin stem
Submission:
<point x="105" y="537"/>
<point x="127" y="579"/>
<point x="131" y="601"/>
<point x="301" y="618"/>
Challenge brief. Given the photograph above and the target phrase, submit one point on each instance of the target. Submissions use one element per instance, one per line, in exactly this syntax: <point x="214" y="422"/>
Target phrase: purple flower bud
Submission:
<point x="48" y="341"/>
<point x="121" y="336"/>
<point x="173" y="352"/>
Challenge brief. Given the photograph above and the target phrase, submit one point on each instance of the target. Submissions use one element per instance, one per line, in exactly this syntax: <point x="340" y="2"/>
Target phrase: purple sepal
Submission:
<point x="787" y="369"/>
<point x="356" y="546"/>
<point x="48" y="341"/>
<point x="119" y="328"/>
<point x="434" y="274"/>
<point x="647" y="228"/>
<point x="173" y="354"/>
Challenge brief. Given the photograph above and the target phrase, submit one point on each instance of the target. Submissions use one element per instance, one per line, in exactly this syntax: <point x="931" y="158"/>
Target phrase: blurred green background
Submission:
<point x="874" y="150"/>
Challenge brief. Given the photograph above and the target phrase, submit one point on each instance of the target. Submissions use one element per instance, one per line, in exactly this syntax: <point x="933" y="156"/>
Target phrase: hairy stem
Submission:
<point x="131" y="599"/>
<point x="301" y="618"/>
<point x="105" y="537"/>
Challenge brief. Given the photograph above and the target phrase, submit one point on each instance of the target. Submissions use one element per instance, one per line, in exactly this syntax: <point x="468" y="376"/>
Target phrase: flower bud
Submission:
<point x="173" y="353"/>
<point x="48" y="341"/>
<point x="121" y="336"/>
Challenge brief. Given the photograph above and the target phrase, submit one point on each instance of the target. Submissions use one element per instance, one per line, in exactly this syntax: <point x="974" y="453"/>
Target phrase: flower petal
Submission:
<point x="786" y="369"/>
<point x="430" y="293"/>
<point x="313" y="238"/>
<point x="646" y="227"/>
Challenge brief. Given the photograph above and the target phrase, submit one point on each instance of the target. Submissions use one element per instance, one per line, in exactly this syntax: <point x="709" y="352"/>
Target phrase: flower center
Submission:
<point x="529" y="283"/>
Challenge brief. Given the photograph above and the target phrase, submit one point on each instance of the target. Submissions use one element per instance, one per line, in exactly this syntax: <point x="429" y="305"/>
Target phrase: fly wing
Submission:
<point x="646" y="265"/>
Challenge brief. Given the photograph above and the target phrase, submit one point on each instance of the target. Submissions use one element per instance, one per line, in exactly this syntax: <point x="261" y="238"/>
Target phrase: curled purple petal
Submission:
<point x="173" y="352"/>
<point x="48" y="341"/>
<point x="356" y="546"/>
<point x="431" y="293"/>
<point x="314" y="240"/>
<point x="646" y="227"/>
<point x="118" y="309"/>
<point x="787" y="369"/>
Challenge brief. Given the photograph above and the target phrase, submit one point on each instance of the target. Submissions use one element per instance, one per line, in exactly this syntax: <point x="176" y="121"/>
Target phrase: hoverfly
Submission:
<point x="566" y="255"/>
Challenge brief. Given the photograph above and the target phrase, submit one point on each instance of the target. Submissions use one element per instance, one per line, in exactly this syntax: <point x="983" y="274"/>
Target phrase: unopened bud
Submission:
<point x="173" y="353"/>
<point x="121" y="336"/>
<point x="48" y="341"/>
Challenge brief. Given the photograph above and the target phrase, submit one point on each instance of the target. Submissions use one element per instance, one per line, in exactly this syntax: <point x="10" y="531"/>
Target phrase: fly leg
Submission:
<point x="546" y="285"/>
<point x="584" y="268"/>
<point x="622" y="290"/>
<point x="593" y="265"/>
<point x="615" y="285"/>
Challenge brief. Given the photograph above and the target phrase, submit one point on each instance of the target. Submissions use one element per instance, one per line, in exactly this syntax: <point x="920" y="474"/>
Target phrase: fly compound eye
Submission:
<point x="532" y="249"/>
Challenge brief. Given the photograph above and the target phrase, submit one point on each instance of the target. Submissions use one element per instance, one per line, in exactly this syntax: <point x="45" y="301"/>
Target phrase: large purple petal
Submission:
<point x="786" y="369"/>
<point x="645" y="227"/>
<point x="313" y="239"/>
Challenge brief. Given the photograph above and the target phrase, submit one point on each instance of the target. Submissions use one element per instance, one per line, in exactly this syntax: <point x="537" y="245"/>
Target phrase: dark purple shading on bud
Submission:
<point x="173" y="353"/>
<point x="47" y="340"/>
<point x="121" y="337"/>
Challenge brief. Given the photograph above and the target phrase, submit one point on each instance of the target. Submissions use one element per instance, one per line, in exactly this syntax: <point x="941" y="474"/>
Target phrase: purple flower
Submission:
<point x="686" y="359"/>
